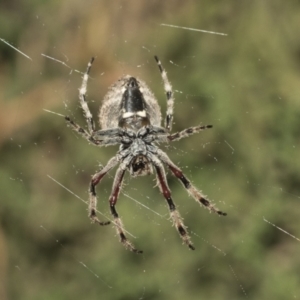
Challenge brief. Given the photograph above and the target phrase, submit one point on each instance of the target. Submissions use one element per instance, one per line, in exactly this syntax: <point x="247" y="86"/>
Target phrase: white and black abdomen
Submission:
<point x="129" y="103"/>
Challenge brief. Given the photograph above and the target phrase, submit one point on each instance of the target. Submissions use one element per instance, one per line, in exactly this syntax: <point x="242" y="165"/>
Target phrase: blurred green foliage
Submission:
<point x="246" y="84"/>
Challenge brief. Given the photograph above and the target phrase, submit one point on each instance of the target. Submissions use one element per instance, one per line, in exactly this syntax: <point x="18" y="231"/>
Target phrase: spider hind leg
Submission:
<point x="169" y="95"/>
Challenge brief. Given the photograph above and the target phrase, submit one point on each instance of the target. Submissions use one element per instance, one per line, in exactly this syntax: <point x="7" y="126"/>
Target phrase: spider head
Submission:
<point x="140" y="166"/>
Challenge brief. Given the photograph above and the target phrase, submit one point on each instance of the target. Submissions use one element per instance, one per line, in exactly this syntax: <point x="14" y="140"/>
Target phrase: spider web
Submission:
<point x="226" y="69"/>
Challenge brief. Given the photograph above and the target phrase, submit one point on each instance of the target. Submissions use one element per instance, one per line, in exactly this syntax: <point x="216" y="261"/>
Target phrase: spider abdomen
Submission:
<point x="129" y="103"/>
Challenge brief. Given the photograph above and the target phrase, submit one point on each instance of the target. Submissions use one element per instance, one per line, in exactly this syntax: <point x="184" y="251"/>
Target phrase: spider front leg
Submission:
<point x="92" y="190"/>
<point x="165" y="190"/>
<point x="113" y="200"/>
<point x="197" y="195"/>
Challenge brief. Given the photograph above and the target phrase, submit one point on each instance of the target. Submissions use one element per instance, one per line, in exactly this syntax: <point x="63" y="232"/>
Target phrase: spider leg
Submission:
<point x="82" y="98"/>
<point x="113" y="200"/>
<point x="98" y="138"/>
<point x="165" y="190"/>
<point x="92" y="191"/>
<point x="197" y="195"/>
<point x="82" y="132"/>
<point x="169" y="94"/>
<point x="187" y="132"/>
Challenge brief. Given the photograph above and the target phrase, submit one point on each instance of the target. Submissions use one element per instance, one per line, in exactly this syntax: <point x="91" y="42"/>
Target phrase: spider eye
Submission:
<point x="141" y="166"/>
<point x="137" y="166"/>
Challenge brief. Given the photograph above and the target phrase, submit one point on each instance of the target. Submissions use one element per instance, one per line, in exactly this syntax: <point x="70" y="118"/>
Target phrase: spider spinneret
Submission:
<point x="130" y="116"/>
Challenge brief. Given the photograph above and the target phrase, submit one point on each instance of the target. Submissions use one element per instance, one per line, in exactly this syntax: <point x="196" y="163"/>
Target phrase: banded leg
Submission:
<point x="92" y="191"/>
<point x="187" y="132"/>
<point x="113" y="200"/>
<point x="98" y="138"/>
<point x="82" y="98"/>
<point x="82" y="132"/>
<point x="165" y="190"/>
<point x="197" y="195"/>
<point x="169" y="94"/>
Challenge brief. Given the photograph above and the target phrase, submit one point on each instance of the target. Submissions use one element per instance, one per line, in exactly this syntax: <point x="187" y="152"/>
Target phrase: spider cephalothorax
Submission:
<point x="130" y="116"/>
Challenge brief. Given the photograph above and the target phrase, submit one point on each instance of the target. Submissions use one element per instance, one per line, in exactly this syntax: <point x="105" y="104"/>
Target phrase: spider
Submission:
<point x="130" y="116"/>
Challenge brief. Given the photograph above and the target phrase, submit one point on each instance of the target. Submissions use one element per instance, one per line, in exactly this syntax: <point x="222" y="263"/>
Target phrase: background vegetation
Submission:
<point x="246" y="84"/>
